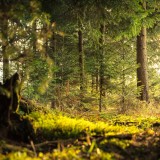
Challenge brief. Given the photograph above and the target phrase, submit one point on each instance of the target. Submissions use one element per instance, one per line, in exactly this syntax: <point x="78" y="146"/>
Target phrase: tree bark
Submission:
<point x="4" y="27"/>
<point x="34" y="44"/>
<point x="81" y="59"/>
<point x="9" y="98"/>
<point x="97" y="80"/>
<point x="101" y="70"/>
<point x="53" y="47"/>
<point x="142" y="75"/>
<point x="123" y="85"/>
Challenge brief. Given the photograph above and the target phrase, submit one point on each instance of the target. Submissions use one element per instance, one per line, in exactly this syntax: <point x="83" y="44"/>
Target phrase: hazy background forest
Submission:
<point x="82" y="54"/>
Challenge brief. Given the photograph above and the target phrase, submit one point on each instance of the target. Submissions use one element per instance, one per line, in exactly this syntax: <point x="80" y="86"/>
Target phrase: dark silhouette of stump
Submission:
<point x="16" y="126"/>
<point x="9" y="98"/>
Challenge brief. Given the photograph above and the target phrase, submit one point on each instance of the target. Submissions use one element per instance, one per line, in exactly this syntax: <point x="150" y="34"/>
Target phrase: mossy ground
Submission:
<point x="93" y="136"/>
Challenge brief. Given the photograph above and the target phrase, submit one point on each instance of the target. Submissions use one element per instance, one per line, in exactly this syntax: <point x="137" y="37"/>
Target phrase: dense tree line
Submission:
<point x="71" y="53"/>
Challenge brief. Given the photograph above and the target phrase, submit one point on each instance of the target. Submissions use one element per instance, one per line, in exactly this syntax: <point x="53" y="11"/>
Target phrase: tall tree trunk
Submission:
<point x="97" y="80"/>
<point x="4" y="27"/>
<point x="81" y="59"/>
<point x="142" y="75"/>
<point x="123" y="84"/>
<point x="34" y="44"/>
<point x="101" y="70"/>
<point x="5" y="64"/>
<point x="53" y="46"/>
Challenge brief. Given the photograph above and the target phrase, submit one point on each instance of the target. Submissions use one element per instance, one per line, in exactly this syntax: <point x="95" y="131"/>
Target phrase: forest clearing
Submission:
<point x="79" y="80"/>
<point x="96" y="136"/>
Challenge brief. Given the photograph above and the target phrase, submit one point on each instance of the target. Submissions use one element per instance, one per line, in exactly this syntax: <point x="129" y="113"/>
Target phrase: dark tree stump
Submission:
<point x="13" y="125"/>
<point x="9" y="98"/>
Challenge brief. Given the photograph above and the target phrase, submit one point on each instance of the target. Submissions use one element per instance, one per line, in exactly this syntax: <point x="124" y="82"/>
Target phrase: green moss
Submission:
<point x="89" y="140"/>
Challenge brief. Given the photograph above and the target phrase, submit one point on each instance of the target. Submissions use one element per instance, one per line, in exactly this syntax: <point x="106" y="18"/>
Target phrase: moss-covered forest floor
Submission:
<point x="93" y="136"/>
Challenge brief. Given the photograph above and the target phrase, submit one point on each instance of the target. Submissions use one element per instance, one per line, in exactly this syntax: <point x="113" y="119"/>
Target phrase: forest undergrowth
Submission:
<point x="88" y="135"/>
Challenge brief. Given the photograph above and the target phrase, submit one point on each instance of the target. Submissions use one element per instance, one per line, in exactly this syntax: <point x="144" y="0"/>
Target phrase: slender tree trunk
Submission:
<point x="81" y="59"/>
<point x="34" y="44"/>
<point x="142" y="75"/>
<point x="5" y="63"/>
<point x="53" y="44"/>
<point x="123" y="85"/>
<point x="97" y="80"/>
<point x="4" y="27"/>
<point x="93" y="83"/>
<point x="46" y="48"/>
<point x="101" y="71"/>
